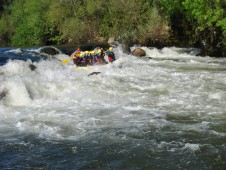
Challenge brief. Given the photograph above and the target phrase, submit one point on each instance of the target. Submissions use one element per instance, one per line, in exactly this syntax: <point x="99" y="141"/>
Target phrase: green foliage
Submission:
<point x="130" y="20"/>
<point x="5" y="28"/>
<point x="72" y="28"/>
<point x="81" y="20"/>
<point x="207" y="13"/>
<point x="222" y="23"/>
<point x="3" y="23"/>
<point x="155" y="29"/>
<point x="168" y="6"/>
<point x="37" y="22"/>
<point x="30" y="25"/>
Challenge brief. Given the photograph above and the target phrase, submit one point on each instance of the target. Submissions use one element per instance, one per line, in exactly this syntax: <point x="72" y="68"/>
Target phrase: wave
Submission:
<point x="24" y="54"/>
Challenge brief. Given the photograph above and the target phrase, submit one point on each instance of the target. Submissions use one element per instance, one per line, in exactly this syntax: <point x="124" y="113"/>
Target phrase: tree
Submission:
<point x="199" y="23"/>
<point x="209" y="20"/>
<point x="30" y="24"/>
<point x="135" y="21"/>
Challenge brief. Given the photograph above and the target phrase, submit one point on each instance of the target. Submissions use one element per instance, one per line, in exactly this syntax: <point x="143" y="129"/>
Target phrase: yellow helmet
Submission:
<point x="110" y="48"/>
<point x="86" y="52"/>
<point x="99" y="51"/>
<point x="80" y="55"/>
<point x="92" y="52"/>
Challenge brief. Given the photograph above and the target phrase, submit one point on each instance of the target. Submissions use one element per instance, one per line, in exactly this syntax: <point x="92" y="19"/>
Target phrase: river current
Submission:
<point x="165" y="111"/>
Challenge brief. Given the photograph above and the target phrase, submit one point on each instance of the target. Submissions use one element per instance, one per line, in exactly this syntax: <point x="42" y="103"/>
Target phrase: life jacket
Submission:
<point x="111" y="56"/>
<point x="73" y="56"/>
<point x="95" y="59"/>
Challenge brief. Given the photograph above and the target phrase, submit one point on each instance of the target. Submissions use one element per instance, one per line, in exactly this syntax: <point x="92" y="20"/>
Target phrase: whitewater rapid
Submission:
<point x="170" y="93"/>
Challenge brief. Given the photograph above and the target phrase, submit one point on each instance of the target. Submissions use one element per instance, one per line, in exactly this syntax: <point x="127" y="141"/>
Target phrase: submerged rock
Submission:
<point x="3" y="94"/>
<point x="94" y="73"/>
<point x="139" y="52"/>
<point x="126" y="48"/>
<point x="49" y="50"/>
<point x="32" y="67"/>
<point x="111" y="40"/>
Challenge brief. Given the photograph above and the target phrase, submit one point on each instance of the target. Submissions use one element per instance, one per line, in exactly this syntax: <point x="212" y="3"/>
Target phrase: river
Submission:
<point x="164" y="111"/>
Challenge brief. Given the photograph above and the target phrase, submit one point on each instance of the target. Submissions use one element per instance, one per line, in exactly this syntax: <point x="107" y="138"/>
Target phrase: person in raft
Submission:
<point x="111" y="55"/>
<point x="75" y="56"/>
<point x="86" y="57"/>
<point x="100" y="55"/>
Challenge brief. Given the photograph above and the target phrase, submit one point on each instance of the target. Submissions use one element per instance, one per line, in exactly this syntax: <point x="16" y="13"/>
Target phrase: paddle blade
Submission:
<point x="65" y="61"/>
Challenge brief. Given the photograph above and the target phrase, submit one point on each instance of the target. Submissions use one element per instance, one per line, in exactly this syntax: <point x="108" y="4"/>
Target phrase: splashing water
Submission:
<point x="163" y="111"/>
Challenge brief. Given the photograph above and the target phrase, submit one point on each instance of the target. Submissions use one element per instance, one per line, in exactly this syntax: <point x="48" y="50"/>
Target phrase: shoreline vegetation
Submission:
<point x="157" y="23"/>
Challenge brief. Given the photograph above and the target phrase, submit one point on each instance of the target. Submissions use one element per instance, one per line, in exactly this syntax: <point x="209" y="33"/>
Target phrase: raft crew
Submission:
<point x="75" y="56"/>
<point x="100" y="55"/>
<point x="92" y="58"/>
<point x="86" y="57"/>
<point x="111" y="55"/>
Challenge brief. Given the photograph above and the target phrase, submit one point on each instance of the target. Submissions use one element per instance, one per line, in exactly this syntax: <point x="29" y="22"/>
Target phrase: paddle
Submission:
<point x="65" y="61"/>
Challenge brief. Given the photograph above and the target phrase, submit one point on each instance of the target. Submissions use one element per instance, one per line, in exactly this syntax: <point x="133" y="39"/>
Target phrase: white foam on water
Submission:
<point x="60" y="101"/>
<point x="192" y="147"/>
<point x="16" y="67"/>
<point x="18" y="50"/>
<point x="17" y="94"/>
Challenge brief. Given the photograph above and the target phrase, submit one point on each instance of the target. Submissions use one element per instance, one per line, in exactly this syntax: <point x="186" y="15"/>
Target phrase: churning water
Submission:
<point x="163" y="112"/>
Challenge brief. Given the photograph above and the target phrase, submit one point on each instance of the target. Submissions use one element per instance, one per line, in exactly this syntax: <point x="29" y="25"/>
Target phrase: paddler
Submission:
<point x="86" y="57"/>
<point x="93" y="57"/>
<point x="100" y="55"/>
<point x="75" y="56"/>
<point x="111" y="54"/>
